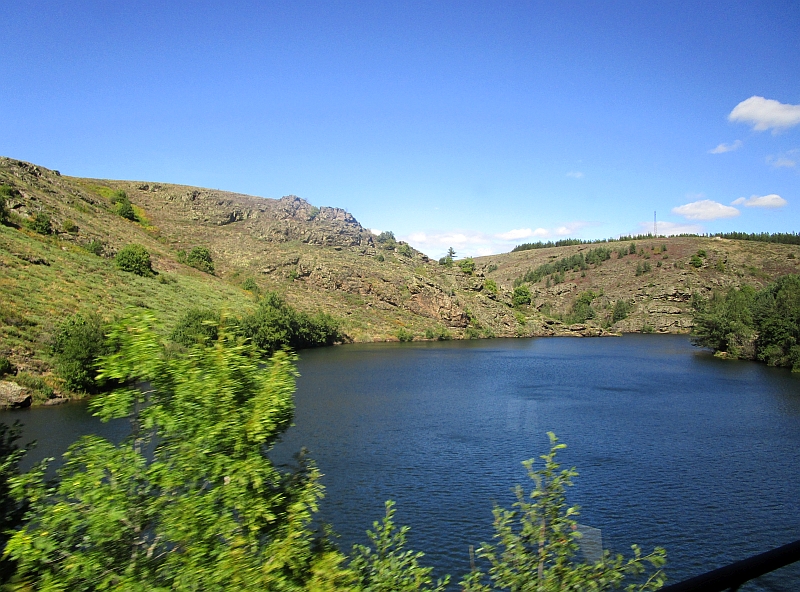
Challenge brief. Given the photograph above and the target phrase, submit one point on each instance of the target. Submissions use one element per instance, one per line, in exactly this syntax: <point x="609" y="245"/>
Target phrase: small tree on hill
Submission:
<point x="40" y="222"/>
<point x="521" y="295"/>
<point x="135" y="259"/>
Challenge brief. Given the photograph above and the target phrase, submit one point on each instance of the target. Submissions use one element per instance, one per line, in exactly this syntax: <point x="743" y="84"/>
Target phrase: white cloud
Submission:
<point x="375" y="231"/>
<point x="785" y="160"/>
<point x="705" y="209"/>
<point x="764" y="114"/>
<point x="726" y="147"/>
<point x="516" y="233"/>
<point x="575" y="174"/>
<point x="669" y="228"/>
<point x="772" y="200"/>
<point x="470" y="243"/>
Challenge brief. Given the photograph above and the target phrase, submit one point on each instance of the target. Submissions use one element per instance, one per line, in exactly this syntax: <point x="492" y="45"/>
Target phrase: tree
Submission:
<point x="11" y="510"/>
<point x="135" y="259"/>
<point x="521" y="295"/>
<point x="200" y="258"/>
<point x="725" y="322"/>
<point x="451" y="252"/>
<point x="206" y="510"/>
<point x="78" y="344"/>
<point x="40" y="222"/>
<point x="467" y="265"/>
<point x="537" y="543"/>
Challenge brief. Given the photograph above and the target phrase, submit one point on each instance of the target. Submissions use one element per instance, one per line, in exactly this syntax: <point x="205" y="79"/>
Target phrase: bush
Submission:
<point x="582" y="309"/>
<point x="405" y="250"/>
<point x="250" y="285"/>
<point x="197" y="326"/>
<point x="94" y="246"/>
<point x="404" y="335"/>
<point x="490" y="286"/>
<point x="521" y="295"/>
<point x="200" y="258"/>
<point x="6" y="367"/>
<point x="275" y="324"/>
<point x="438" y="333"/>
<point x="621" y="311"/>
<point x="40" y="222"/>
<point x="118" y="197"/>
<point x="6" y="193"/>
<point x="125" y="209"/>
<point x="380" y="257"/>
<point x="467" y="265"/>
<point x="69" y="226"/>
<point x="696" y="261"/>
<point x="78" y="344"/>
<point x="446" y="261"/>
<point x="135" y="259"/>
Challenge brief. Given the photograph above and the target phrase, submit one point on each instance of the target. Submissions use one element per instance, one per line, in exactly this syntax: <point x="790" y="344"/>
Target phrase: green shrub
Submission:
<point x="490" y="286"/>
<point x="118" y="196"/>
<point x="491" y="268"/>
<point x="200" y="258"/>
<point x="6" y="193"/>
<point x="125" y="209"/>
<point x="446" y="261"/>
<point x="467" y="265"/>
<point x="521" y="295"/>
<point x="69" y="226"/>
<point x="78" y="344"/>
<point x="696" y="261"/>
<point x="6" y="367"/>
<point x="582" y="309"/>
<point x="40" y="222"/>
<point x="40" y="390"/>
<point x="275" y="324"/>
<point x="94" y="246"/>
<point x="404" y="335"/>
<point x="701" y="253"/>
<point x="196" y="326"/>
<point x="379" y="257"/>
<point x="250" y="285"/>
<point x="621" y="311"/>
<point x="632" y="249"/>
<point x="135" y="259"/>
<point x="646" y="328"/>
<point x="405" y="250"/>
<point x="438" y="333"/>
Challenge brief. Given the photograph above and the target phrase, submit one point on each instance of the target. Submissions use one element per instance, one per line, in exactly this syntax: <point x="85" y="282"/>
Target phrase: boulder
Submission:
<point x="13" y="396"/>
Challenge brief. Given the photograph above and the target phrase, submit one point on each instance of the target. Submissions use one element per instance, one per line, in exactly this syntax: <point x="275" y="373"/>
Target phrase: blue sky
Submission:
<point x="477" y="125"/>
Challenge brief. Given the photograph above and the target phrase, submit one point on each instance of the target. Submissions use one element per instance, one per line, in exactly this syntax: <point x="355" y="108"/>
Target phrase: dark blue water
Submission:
<point x="674" y="447"/>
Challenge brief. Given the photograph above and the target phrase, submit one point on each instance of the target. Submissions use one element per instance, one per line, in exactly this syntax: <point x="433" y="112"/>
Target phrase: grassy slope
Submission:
<point x="320" y="259"/>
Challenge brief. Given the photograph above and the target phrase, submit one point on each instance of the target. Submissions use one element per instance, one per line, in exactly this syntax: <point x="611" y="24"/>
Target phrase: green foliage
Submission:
<point x="642" y="268"/>
<point x="250" y="285"/>
<point x="725" y="322"/>
<point x="118" y="197"/>
<point x="647" y="328"/>
<point x="451" y="252"/>
<point x="576" y="262"/>
<point x="7" y="192"/>
<point x="40" y="222"/>
<point x="405" y="250"/>
<point x="521" y="295"/>
<point x="380" y="257"/>
<point x="438" y="333"/>
<point x="135" y="259"/>
<point x="11" y="510"/>
<point x="387" y="240"/>
<point x="198" y="326"/>
<point x="446" y="261"/>
<point x="467" y="265"/>
<point x="776" y="312"/>
<point x="275" y="324"/>
<point x="621" y="311"/>
<point x="490" y="286"/>
<point x="77" y="346"/>
<point x="632" y="249"/>
<point x="701" y="253"/>
<point x="6" y="367"/>
<point x="200" y="258"/>
<point x="69" y="226"/>
<point x="125" y="209"/>
<point x="696" y="261"/>
<point x="206" y="510"/>
<point x="537" y="543"/>
<point x="491" y="268"/>
<point x="564" y="242"/>
<point x="387" y="566"/>
<point x="582" y="309"/>
<point x="404" y="334"/>
<point x="40" y="390"/>
<point x="94" y="246"/>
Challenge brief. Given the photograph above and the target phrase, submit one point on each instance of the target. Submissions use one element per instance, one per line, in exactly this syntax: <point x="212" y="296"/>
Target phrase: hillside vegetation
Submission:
<point x="70" y="245"/>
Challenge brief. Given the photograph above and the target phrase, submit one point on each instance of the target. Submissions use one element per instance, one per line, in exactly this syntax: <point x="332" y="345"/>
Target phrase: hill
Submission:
<point x="322" y="259"/>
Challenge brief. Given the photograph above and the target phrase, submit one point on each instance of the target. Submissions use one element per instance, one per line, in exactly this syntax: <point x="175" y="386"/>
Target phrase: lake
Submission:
<point x="674" y="447"/>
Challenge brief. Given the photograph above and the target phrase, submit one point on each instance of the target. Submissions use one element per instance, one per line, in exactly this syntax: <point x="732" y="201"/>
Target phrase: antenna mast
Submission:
<point x="655" y="225"/>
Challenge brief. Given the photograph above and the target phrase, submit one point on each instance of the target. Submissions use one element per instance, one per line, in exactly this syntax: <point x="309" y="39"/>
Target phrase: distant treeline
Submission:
<point x="788" y="238"/>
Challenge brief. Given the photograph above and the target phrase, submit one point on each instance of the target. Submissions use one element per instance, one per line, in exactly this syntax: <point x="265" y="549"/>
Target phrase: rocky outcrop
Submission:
<point x="13" y="396"/>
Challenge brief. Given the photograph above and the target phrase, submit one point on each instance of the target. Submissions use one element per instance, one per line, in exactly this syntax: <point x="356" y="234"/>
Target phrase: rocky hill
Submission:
<point x="321" y="258"/>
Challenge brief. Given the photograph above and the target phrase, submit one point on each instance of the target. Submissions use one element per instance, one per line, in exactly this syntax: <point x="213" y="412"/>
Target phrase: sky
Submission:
<point x="476" y="125"/>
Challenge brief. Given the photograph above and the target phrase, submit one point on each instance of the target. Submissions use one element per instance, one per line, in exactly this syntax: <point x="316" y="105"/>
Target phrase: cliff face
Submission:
<point x="321" y="258"/>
